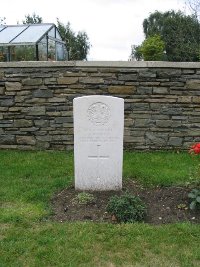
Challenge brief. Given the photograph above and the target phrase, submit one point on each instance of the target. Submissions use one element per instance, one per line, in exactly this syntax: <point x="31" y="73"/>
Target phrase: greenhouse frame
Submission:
<point x="31" y="42"/>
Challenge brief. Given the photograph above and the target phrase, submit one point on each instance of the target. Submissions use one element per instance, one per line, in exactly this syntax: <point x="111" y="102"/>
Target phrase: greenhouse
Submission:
<point x="31" y="42"/>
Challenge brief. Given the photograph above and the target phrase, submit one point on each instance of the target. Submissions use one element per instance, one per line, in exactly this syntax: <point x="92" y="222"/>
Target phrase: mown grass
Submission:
<point x="88" y="244"/>
<point x="28" y="180"/>
<point x="161" y="168"/>
<point x="29" y="238"/>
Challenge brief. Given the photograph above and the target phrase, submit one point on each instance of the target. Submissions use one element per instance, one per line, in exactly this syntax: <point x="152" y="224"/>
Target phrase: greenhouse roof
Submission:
<point x="26" y="34"/>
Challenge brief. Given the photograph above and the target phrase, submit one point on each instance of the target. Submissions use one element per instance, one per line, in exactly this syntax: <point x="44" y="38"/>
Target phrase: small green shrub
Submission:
<point x="83" y="198"/>
<point x="194" y="195"/>
<point x="126" y="208"/>
<point x="153" y="48"/>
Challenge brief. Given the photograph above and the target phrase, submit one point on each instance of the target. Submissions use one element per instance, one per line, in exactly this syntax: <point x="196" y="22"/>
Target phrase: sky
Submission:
<point x="111" y="25"/>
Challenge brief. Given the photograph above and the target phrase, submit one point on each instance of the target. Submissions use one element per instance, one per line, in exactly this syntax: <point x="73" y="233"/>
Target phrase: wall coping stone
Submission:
<point x="37" y="64"/>
<point x="102" y="64"/>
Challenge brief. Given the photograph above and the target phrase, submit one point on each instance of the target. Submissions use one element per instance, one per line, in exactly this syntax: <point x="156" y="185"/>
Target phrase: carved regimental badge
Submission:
<point x="98" y="113"/>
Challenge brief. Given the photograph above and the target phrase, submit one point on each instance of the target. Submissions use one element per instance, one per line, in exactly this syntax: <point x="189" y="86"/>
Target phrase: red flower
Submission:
<point x="195" y="149"/>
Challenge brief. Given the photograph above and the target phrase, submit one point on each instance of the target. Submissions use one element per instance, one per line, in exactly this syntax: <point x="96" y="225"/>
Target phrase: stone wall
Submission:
<point x="162" y="102"/>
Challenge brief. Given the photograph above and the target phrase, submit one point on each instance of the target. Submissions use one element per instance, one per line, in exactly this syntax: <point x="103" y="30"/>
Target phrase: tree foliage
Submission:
<point x="78" y="44"/>
<point x="136" y="52"/>
<point x="180" y="33"/>
<point x="32" y="19"/>
<point x="153" y="48"/>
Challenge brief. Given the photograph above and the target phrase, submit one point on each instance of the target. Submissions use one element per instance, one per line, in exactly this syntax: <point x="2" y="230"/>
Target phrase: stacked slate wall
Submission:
<point x="162" y="102"/>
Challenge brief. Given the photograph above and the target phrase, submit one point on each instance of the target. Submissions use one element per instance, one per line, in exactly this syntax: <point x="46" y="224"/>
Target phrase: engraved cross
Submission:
<point x="98" y="157"/>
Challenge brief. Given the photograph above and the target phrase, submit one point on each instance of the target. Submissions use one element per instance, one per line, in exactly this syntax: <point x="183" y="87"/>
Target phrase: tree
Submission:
<point x="78" y="44"/>
<point x="180" y="33"/>
<point x="194" y="7"/>
<point x="153" y="48"/>
<point x="136" y="52"/>
<point x="32" y="19"/>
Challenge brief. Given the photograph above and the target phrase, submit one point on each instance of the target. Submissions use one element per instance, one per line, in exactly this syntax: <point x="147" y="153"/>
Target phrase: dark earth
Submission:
<point x="164" y="205"/>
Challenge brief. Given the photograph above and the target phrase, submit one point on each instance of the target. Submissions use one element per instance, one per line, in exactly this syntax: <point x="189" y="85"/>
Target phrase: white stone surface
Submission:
<point x="98" y="142"/>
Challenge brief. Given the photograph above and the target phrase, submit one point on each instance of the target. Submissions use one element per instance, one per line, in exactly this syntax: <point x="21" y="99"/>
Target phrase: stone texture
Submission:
<point x="193" y="84"/>
<point x="144" y="90"/>
<point x="25" y="140"/>
<point x="160" y="90"/>
<point x="7" y="139"/>
<point x="67" y="80"/>
<point x="2" y="90"/>
<point x="147" y="74"/>
<point x="1" y="75"/>
<point x="156" y="139"/>
<point x="63" y="119"/>
<point x="41" y="123"/>
<point x="91" y="80"/>
<point x="48" y="81"/>
<point x="121" y="90"/>
<point x="184" y="99"/>
<point x="164" y="123"/>
<point x="43" y="93"/>
<point x="32" y="82"/>
<point x="175" y="141"/>
<point x="13" y="86"/>
<point x="57" y="99"/>
<point x="161" y="102"/>
<point x="98" y="142"/>
<point x="34" y="110"/>
<point x="127" y="77"/>
<point x="168" y="73"/>
<point x="7" y="101"/>
<point x="22" y="123"/>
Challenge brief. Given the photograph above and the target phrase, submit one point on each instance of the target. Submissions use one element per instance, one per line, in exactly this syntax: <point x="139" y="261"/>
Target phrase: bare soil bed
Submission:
<point x="164" y="205"/>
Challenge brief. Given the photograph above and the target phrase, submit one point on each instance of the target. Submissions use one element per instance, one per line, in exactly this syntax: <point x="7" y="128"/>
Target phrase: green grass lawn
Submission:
<point x="29" y="238"/>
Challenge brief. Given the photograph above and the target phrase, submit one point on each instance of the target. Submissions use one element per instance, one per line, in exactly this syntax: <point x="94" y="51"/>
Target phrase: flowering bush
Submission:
<point x="195" y="149"/>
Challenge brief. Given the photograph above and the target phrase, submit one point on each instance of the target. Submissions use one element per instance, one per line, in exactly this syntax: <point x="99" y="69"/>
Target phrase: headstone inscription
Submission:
<point x="98" y="142"/>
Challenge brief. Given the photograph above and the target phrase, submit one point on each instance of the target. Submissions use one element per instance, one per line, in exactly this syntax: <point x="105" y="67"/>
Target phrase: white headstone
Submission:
<point x="98" y="142"/>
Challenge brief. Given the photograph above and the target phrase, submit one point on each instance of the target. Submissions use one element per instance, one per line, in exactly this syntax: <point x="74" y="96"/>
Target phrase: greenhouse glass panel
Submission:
<point x="42" y="49"/>
<point x="9" y="33"/>
<point x="23" y="53"/>
<point x="4" y="56"/>
<point x="51" y="50"/>
<point x="61" y="52"/>
<point x="1" y="27"/>
<point x="31" y="42"/>
<point x="52" y="33"/>
<point x="32" y="34"/>
<point x="58" y="35"/>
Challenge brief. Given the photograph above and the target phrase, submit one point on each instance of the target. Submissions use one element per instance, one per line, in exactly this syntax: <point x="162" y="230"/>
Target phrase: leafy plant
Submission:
<point x="77" y="43"/>
<point x="32" y="19"/>
<point x="179" y="32"/>
<point x="126" y="208"/>
<point x="153" y="48"/>
<point x="84" y="198"/>
<point x="194" y="195"/>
